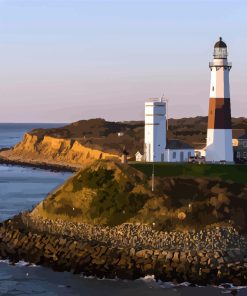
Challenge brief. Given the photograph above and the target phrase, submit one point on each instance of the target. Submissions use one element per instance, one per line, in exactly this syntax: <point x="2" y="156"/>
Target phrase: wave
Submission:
<point x="24" y="263"/>
<point x="5" y="261"/>
<point x="20" y="263"/>
<point x="149" y="279"/>
<point x="229" y="286"/>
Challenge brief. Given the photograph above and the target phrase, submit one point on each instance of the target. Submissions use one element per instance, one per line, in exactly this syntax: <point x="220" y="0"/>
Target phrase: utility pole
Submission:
<point x="153" y="177"/>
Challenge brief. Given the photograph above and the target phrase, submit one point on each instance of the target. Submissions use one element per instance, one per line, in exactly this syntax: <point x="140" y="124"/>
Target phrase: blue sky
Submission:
<point x="65" y="60"/>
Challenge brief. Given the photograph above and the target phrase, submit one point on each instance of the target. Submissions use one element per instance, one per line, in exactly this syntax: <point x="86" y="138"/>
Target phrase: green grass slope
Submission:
<point x="109" y="193"/>
<point x="235" y="173"/>
<point x="105" y="192"/>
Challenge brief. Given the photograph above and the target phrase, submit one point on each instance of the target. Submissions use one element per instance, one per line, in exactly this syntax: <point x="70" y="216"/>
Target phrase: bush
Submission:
<point x="93" y="179"/>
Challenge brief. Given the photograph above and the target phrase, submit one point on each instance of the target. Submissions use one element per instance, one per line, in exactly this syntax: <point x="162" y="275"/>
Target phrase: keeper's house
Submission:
<point x="178" y="151"/>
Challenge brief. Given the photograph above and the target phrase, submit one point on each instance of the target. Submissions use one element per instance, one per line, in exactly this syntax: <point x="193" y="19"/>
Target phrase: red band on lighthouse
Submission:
<point x="219" y="114"/>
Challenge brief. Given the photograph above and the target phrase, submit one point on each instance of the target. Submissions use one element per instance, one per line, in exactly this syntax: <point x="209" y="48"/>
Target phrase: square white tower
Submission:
<point x="155" y="130"/>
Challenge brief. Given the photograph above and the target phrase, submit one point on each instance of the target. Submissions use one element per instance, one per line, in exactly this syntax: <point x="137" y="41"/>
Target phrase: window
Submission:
<point x="245" y="154"/>
<point x="245" y="144"/>
<point x="174" y="155"/>
<point x="189" y="154"/>
<point x="213" y="88"/>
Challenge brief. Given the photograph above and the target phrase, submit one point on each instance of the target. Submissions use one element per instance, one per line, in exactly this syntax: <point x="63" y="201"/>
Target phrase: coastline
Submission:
<point x="39" y="165"/>
<point x="94" y="258"/>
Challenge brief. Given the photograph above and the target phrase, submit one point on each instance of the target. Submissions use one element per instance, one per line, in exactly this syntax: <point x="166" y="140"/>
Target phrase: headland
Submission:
<point x="105" y="221"/>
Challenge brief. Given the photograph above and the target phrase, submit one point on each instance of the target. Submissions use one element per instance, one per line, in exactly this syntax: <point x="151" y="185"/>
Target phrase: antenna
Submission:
<point x="166" y="100"/>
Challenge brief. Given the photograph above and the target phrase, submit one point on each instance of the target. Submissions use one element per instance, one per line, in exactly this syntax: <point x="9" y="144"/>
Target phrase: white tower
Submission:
<point x="155" y="130"/>
<point x="219" y="133"/>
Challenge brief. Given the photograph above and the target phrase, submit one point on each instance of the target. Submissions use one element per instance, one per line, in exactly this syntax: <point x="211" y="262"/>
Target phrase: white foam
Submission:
<point x="20" y="263"/>
<point x="185" y="284"/>
<point x="148" y="278"/>
<point x="88" y="277"/>
<point x="91" y="277"/>
<point x="5" y="261"/>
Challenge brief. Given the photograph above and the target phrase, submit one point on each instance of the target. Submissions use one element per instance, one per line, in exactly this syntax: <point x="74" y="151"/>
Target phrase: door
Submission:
<point x="181" y="156"/>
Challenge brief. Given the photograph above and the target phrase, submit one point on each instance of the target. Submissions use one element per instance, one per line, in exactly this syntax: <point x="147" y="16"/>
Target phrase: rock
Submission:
<point x="176" y="257"/>
<point x="103" y="260"/>
<point x="132" y="252"/>
<point x="49" y="248"/>
<point x="99" y="261"/>
<point x="169" y="255"/>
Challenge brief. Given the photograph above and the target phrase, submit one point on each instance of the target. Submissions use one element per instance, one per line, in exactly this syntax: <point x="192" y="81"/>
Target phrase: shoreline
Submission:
<point x="39" y="165"/>
<point x="92" y="258"/>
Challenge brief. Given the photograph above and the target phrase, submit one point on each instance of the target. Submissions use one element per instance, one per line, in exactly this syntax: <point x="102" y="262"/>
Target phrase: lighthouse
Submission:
<point x="219" y="132"/>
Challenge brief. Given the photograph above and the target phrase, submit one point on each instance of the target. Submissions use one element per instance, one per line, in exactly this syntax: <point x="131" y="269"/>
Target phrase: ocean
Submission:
<point x="21" y="189"/>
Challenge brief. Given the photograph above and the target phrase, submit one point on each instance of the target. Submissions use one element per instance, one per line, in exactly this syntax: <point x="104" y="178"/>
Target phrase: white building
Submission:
<point x="155" y="130"/>
<point x="177" y="151"/>
<point x="219" y="133"/>
<point x="156" y="147"/>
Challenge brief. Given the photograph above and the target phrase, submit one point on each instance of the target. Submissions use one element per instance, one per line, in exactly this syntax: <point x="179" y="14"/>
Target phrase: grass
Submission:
<point x="109" y="193"/>
<point x="235" y="173"/>
<point x="103" y="193"/>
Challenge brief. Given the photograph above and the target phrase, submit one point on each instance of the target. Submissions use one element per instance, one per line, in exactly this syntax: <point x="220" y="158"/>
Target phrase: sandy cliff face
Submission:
<point x="54" y="151"/>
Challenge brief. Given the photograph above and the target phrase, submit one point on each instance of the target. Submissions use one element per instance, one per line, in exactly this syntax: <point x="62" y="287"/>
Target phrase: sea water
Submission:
<point x="21" y="189"/>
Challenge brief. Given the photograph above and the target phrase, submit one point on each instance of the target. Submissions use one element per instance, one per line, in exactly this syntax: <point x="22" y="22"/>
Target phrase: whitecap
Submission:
<point x="21" y="263"/>
<point x="91" y="277"/>
<point x="6" y="261"/>
<point x="147" y="278"/>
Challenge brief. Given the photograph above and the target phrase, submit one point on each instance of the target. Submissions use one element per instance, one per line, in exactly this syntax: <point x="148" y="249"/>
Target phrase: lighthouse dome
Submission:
<point x="220" y="50"/>
<point x="220" y="44"/>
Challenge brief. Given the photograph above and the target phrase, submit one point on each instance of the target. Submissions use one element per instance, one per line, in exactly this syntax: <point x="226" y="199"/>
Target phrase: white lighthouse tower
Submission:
<point x="155" y="130"/>
<point x="219" y="133"/>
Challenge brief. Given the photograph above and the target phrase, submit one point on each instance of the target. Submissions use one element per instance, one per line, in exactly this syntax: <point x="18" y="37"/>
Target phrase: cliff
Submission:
<point x="50" y="150"/>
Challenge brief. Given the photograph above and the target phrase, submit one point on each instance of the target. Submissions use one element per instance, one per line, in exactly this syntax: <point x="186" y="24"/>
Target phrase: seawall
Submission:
<point x="93" y="258"/>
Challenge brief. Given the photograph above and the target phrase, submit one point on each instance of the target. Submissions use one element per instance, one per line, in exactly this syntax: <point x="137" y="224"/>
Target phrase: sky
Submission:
<point x="66" y="60"/>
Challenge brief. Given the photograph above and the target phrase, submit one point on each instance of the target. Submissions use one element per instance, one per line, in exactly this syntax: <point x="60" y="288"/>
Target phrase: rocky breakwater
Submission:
<point x="140" y="236"/>
<point x="65" y="253"/>
<point x="48" y="150"/>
